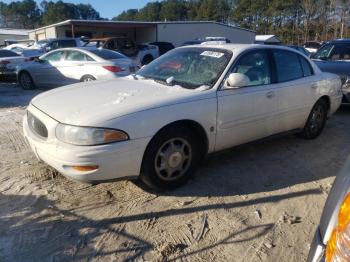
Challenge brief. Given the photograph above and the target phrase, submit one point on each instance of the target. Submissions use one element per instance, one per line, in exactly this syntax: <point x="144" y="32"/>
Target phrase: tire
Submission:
<point x="147" y="59"/>
<point x="316" y="120"/>
<point x="26" y="81"/>
<point x="87" y="78"/>
<point x="171" y="158"/>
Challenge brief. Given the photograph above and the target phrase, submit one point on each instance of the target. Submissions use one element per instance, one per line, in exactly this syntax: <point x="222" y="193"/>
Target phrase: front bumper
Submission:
<point x="114" y="160"/>
<point x="317" y="249"/>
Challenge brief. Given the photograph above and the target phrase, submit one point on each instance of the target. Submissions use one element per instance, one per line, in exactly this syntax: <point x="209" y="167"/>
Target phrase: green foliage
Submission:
<point x="293" y="21"/>
<point x="27" y="14"/>
<point x="23" y="14"/>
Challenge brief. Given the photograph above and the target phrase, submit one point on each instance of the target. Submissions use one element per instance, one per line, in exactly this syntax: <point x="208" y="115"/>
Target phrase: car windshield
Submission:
<point x="107" y="54"/>
<point x="324" y="52"/>
<point x="188" y="67"/>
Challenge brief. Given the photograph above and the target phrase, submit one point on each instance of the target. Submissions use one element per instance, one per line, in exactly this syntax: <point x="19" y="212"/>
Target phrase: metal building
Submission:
<point x="12" y="34"/>
<point x="141" y="32"/>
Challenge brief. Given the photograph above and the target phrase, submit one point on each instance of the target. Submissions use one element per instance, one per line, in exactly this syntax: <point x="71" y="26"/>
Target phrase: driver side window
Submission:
<point x="54" y="57"/>
<point x="255" y="65"/>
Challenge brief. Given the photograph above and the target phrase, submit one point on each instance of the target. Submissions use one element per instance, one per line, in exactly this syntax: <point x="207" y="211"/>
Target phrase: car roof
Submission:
<point x="241" y="47"/>
<point x="343" y="40"/>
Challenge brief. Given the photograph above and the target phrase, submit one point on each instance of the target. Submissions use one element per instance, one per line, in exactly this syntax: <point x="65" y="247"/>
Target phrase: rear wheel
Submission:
<point x="316" y="121"/>
<point x="171" y="158"/>
<point x="88" y="78"/>
<point x="26" y="81"/>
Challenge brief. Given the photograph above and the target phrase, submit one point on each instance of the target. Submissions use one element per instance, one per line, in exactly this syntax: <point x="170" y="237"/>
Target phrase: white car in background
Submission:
<point x="191" y="101"/>
<point x="9" y="61"/>
<point x="71" y="65"/>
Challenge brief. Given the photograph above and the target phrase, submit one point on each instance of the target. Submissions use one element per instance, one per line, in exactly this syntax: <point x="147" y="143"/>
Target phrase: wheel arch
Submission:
<point x="146" y="57"/>
<point x="86" y="75"/>
<point x="25" y="71"/>
<point x="188" y="123"/>
<point x="328" y="102"/>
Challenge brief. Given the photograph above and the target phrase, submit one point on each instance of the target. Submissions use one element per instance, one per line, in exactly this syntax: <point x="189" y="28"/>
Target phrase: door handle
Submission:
<point x="270" y="94"/>
<point x="314" y="86"/>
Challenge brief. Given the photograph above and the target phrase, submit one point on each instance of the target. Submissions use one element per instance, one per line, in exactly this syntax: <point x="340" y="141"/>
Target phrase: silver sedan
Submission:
<point x="70" y="65"/>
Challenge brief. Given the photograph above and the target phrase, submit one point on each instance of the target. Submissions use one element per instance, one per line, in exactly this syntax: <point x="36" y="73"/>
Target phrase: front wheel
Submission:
<point x="316" y="121"/>
<point x="171" y="158"/>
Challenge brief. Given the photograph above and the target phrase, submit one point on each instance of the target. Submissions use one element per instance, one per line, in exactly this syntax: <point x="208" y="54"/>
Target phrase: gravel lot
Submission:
<point x="258" y="202"/>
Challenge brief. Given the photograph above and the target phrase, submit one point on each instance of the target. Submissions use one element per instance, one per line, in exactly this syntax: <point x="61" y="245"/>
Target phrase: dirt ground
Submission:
<point x="259" y="202"/>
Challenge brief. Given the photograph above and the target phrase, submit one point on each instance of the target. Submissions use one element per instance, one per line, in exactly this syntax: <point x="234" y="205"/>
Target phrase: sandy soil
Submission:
<point x="259" y="202"/>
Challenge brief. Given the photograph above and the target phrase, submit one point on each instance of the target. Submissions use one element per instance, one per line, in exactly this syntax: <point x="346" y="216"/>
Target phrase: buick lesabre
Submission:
<point x="159" y="123"/>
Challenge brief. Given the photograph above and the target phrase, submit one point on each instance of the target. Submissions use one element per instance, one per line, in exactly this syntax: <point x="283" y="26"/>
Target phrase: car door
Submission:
<point x="247" y="113"/>
<point x="47" y="70"/>
<point x="75" y="65"/>
<point x="297" y="87"/>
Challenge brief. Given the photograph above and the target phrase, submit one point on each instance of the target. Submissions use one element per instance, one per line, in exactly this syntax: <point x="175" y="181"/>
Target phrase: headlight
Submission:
<point x="338" y="246"/>
<point x="89" y="136"/>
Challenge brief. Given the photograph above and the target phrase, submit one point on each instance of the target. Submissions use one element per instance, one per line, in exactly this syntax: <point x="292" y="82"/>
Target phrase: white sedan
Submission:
<point x="71" y="65"/>
<point x="160" y="123"/>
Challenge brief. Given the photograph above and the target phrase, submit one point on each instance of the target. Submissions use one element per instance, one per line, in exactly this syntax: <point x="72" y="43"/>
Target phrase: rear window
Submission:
<point x="7" y="53"/>
<point x="307" y="69"/>
<point x="107" y="54"/>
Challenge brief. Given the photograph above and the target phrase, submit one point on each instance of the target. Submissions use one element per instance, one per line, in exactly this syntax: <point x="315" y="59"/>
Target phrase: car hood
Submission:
<point x="341" y="68"/>
<point x="98" y="101"/>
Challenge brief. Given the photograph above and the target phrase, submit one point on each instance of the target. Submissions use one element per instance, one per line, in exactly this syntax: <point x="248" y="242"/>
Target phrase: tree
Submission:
<point x="87" y="12"/>
<point x="20" y="14"/>
<point x="129" y="15"/>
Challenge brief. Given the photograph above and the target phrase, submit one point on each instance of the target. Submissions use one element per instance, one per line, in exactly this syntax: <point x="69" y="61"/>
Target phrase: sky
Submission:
<point x="108" y="8"/>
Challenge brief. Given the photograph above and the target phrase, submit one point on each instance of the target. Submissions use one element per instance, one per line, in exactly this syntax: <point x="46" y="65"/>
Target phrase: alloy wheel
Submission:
<point x="173" y="159"/>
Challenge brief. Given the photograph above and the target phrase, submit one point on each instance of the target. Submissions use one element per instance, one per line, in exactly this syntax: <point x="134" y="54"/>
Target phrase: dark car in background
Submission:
<point x="163" y="47"/>
<point x="334" y="57"/>
<point x="300" y="49"/>
<point x="55" y="43"/>
<point x="312" y="46"/>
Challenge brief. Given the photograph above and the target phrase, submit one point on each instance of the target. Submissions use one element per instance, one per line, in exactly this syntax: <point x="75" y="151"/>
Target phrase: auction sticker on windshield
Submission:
<point x="212" y="54"/>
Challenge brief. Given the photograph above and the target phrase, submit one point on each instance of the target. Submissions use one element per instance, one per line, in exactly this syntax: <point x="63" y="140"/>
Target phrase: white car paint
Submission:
<point x="141" y="107"/>
<point x="64" y="72"/>
<point x="9" y="64"/>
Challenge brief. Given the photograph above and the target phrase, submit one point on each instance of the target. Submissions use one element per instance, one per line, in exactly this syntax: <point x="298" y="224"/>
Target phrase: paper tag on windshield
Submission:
<point x="212" y="54"/>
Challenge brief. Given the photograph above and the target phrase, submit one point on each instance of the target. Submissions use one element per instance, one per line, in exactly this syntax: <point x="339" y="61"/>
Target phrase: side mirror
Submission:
<point x="237" y="80"/>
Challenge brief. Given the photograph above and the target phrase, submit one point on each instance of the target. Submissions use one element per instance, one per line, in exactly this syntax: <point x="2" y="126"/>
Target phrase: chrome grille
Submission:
<point x="36" y="125"/>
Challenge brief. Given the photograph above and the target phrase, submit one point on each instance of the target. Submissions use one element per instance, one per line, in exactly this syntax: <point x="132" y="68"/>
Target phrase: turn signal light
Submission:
<point x="338" y="246"/>
<point x="114" y="135"/>
<point x="85" y="168"/>
<point x="5" y="62"/>
<point x="114" y="69"/>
